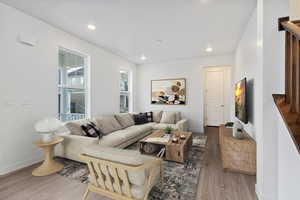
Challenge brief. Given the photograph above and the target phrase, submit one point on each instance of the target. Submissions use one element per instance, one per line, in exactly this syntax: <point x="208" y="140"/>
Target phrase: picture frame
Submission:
<point x="168" y="91"/>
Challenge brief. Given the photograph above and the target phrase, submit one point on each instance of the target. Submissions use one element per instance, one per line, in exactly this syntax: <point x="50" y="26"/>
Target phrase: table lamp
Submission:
<point x="46" y="127"/>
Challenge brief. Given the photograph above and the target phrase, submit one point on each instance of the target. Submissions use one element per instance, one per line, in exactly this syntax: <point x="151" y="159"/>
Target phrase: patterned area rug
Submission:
<point x="180" y="180"/>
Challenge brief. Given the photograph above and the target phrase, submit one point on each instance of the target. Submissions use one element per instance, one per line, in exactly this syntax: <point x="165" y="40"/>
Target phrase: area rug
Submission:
<point x="180" y="180"/>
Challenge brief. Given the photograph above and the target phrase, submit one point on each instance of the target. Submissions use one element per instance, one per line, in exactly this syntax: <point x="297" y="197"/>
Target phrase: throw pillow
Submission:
<point x="157" y="116"/>
<point x="125" y="120"/>
<point x="168" y="117"/>
<point x="149" y="116"/>
<point x="90" y="130"/>
<point x="75" y="126"/>
<point x="107" y="124"/>
<point x="140" y="118"/>
<point x="177" y="115"/>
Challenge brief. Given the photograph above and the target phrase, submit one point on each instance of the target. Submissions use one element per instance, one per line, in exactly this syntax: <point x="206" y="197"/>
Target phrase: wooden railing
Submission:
<point x="289" y="103"/>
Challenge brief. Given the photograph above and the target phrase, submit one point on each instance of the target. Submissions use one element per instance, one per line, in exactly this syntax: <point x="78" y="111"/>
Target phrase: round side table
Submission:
<point x="49" y="166"/>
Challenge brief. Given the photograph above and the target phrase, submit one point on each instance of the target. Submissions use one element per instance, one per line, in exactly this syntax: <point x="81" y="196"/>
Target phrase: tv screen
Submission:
<point x="241" y="100"/>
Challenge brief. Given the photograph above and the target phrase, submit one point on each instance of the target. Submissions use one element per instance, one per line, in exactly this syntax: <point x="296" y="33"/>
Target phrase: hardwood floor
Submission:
<point x="214" y="184"/>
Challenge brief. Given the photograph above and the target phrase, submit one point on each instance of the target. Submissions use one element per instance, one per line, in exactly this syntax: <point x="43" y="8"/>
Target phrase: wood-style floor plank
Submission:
<point x="214" y="183"/>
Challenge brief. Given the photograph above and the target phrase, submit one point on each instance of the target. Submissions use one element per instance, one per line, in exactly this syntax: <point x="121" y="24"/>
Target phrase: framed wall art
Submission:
<point x="168" y="91"/>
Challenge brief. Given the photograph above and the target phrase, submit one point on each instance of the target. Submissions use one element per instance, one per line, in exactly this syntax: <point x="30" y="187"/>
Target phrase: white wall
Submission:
<point x="288" y="164"/>
<point x="260" y="55"/>
<point x="249" y="63"/>
<point x="273" y="83"/>
<point x="288" y="155"/>
<point x="28" y="82"/>
<point x="246" y="65"/>
<point x="191" y="70"/>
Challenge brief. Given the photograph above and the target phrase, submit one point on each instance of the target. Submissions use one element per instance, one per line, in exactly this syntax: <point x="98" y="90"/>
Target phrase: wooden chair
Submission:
<point x="111" y="178"/>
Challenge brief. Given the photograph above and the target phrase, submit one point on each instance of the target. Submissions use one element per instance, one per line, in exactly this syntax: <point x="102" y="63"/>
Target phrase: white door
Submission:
<point x="214" y="97"/>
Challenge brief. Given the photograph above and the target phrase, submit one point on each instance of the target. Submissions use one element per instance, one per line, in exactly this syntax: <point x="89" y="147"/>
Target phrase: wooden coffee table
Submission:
<point x="177" y="152"/>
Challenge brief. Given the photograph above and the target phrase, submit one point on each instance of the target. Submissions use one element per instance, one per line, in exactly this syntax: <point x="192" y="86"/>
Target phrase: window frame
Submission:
<point x="129" y="92"/>
<point x="87" y="81"/>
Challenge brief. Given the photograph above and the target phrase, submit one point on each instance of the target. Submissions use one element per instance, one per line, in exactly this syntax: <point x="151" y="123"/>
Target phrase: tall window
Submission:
<point x="124" y="91"/>
<point x="72" y="86"/>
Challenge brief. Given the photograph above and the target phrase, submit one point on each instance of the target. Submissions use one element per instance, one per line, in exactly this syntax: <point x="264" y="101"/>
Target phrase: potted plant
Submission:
<point x="168" y="130"/>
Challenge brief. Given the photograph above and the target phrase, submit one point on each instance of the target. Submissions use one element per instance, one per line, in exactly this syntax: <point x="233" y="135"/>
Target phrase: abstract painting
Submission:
<point x="168" y="92"/>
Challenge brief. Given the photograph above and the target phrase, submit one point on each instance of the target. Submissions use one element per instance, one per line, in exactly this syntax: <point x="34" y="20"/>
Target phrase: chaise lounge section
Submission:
<point x="119" y="131"/>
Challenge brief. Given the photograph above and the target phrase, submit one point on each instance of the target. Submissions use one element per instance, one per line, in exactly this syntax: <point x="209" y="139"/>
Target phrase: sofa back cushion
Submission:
<point x="125" y="120"/>
<point x="178" y="117"/>
<point x="157" y="115"/>
<point x="75" y="126"/>
<point x="168" y="117"/>
<point x="107" y="124"/>
<point x="127" y="157"/>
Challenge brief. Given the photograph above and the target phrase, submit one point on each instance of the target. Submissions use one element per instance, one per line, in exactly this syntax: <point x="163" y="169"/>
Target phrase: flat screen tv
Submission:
<point x="241" y="100"/>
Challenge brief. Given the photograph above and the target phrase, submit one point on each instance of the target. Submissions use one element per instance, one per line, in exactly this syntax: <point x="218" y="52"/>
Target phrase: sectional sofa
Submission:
<point x="119" y="131"/>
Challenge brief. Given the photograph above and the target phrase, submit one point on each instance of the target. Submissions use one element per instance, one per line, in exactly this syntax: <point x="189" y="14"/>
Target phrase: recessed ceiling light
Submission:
<point x="91" y="27"/>
<point x="143" y="57"/>
<point x="209" y="49"/>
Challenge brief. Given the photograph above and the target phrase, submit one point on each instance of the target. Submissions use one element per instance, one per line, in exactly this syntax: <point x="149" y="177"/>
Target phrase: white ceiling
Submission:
<point x="163" y="30"/>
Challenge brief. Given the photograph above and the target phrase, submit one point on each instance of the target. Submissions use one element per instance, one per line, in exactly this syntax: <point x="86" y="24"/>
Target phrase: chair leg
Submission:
<point x="86" y="194"/>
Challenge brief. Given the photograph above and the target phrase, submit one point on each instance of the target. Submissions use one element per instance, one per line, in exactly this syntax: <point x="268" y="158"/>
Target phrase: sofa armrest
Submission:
<point x="72" y="145"/>
<point x="182" y="125"/>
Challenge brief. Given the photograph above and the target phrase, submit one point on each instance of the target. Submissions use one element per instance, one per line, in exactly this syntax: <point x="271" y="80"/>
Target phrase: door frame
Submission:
<point x="227" y="91"/>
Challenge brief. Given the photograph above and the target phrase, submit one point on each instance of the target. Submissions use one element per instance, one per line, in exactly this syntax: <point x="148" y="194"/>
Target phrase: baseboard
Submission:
<point x="261" y="196"/>
<point x="258" y="193"/>
<point x="19" y="165"/>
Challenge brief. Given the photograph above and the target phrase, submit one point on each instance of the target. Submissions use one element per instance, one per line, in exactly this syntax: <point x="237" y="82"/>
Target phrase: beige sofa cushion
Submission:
<point x="107" y="124"/>
<point x="178" y="117"/>
<point x="133" y="113"/>
<point x="119" y="137"/>
<point x="128" y="157"/>
<point x="141" y="128"/>
<point x="75" y="126"/>
<point x="168" y="117"/>
<point x="137" y="192"/>
<point x="72" y="145"/>
<point x="163" y="126"/>
<point x="157" y="116"/>
<point x="116" y="138"/>
<point x="125" y="120"/>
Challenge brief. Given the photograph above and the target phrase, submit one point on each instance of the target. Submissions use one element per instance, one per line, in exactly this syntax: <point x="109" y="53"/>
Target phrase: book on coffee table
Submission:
<point x="158" y="139"/>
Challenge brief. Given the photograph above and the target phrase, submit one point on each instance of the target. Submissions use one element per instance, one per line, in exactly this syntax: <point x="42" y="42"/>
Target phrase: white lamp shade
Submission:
<point x="48" y="125"/>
